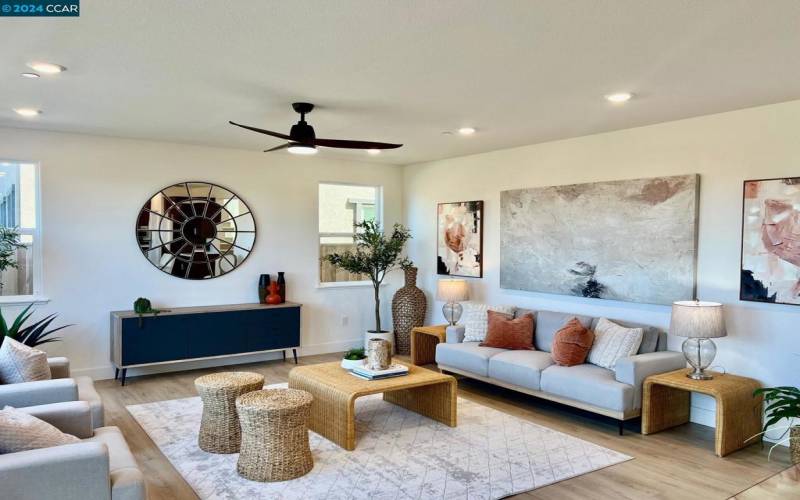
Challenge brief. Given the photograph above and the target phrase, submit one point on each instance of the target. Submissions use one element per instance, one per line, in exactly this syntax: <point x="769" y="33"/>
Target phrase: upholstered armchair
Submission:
<point x="99" y="467"/>
<point x="59" y="389"/>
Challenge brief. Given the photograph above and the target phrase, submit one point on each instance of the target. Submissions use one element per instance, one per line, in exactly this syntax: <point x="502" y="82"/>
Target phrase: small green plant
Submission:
<point x="31" y="335"/>
<point x="9" y="244"/>
<point x="782" y="402"/>
<point x="142" y="306"/>
<point x="355" y="354"/>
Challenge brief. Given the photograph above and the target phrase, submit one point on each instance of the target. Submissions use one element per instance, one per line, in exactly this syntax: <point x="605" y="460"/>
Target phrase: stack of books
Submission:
<point x="392" y="371"/>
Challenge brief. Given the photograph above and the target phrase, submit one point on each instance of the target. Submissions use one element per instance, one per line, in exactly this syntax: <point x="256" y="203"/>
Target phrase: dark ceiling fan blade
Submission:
<point x="262" y="131"/>
<point x="339" y="143"/>
<point x="276" y="148"/>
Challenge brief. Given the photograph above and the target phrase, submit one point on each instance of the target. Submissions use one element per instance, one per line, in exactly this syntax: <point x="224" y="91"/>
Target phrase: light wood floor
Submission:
<point x="674" y="464"/>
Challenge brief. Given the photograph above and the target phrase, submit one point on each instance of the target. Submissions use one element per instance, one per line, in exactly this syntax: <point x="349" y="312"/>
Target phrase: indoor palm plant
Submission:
<point x="783" y="403"/>
<point x="375" y="255"/>
<point x="34" y="334"/>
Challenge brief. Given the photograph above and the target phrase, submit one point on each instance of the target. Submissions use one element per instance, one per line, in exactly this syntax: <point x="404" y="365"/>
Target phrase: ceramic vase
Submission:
<point x="408" y="311"/>
<point x="263" y="288"/>
<point x="274" y="297"/>
<point x="282" y="287"/>
<point x="379" y="354"/>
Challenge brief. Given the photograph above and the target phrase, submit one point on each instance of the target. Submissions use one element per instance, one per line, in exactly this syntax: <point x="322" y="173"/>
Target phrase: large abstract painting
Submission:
<point x="771" y="241"/>
<point x="460" y="239"/>
<point x="632" y="240"/>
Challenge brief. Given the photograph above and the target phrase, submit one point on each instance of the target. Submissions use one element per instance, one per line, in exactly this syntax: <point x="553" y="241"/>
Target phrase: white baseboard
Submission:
<point x="107" y="372"/>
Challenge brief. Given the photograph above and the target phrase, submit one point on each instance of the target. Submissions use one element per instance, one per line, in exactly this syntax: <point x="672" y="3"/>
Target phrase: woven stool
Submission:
<point x="219" y="428"/>
<point x="274" y="434"/>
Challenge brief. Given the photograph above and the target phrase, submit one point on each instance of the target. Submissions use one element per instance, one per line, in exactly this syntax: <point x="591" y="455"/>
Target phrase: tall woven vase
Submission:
<point x="408" y="311"/>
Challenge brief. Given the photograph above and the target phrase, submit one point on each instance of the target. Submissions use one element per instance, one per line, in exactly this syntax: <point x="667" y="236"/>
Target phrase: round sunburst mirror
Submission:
<point x="195" y="230"/>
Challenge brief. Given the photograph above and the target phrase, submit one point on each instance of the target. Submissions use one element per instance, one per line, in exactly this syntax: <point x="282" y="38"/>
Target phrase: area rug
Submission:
<point x="399" y="455"/>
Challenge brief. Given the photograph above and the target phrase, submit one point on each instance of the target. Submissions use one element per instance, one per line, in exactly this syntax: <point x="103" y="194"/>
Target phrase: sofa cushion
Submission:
<point x="476" y="320"/>
<point x="653" y="338"/>
<point x="127" y="482"/>
<point x="521" y="368"/>
<point x="467" y="356"/>
<point x="507" y="332"/>
<point x="572" y="343"/>
<point x="613" y="342"/>
<point x="588" y="384"/>
<point x="549" y="322"/>
<point x="20" y="363"/>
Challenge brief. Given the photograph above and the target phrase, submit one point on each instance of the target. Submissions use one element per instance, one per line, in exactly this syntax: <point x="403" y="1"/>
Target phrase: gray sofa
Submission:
<point x="59" y="389"/>
<point x="615" y="393"/>
<point x="100" y="467"/>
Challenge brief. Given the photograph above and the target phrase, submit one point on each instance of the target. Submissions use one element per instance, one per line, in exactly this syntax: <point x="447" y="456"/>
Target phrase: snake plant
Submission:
<point x="34" y="334"/>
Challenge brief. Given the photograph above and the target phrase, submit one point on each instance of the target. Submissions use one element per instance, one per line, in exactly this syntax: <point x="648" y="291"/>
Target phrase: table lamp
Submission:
<point x="452" y="292"/>
<point x="700" y="322"/>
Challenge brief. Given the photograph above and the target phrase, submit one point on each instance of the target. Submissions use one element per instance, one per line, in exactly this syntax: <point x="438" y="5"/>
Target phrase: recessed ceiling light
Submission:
<point x="46" y="67"/>
<point x="466" y="131"/>
<point x="29" y="75"/>
<point x="373" y="152"/>
<point x="619" y="97"/>
<point x="302" y="149"/>
<point x="28" y="112"/>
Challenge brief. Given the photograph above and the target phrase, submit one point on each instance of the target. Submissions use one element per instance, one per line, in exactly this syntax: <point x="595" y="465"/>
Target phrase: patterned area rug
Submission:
<point x="399" y="455"/>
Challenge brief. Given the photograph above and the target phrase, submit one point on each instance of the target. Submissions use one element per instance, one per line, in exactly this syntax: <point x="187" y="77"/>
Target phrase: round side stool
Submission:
<point x="274" y="435"/>
<point x="219" y="428"/>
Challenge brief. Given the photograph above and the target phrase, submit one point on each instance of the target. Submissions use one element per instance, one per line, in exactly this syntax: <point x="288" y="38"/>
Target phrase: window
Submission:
<point x="340" y="207"/>
<point x="19" y="211"/>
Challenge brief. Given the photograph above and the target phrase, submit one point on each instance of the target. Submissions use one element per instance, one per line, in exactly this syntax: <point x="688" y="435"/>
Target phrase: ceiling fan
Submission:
<point x="302" y="139"/>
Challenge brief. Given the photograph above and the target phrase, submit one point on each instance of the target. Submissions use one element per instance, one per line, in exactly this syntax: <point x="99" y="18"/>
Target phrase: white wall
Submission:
<point x="725" y="149"/>
<point x="93" y="188"/>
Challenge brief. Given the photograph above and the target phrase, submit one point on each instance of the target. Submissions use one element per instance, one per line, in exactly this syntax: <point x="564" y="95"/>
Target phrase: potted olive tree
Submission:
<point x="375" y="255"/>
<point x="9" y="244"/>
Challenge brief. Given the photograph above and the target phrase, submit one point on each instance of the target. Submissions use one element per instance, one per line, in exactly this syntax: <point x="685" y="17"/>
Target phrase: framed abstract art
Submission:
<point x="459" y="240"/>
<point x="770" y="269"/>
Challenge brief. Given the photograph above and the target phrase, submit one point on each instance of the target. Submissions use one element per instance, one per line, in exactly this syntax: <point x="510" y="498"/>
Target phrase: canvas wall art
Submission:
<point x="460" y="239"/>
<point x="771" y="241"/>
<point x="632" y="240"/>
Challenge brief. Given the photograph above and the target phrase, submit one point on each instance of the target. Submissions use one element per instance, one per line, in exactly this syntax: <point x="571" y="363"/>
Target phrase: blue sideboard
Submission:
<point x="207" y="332"/>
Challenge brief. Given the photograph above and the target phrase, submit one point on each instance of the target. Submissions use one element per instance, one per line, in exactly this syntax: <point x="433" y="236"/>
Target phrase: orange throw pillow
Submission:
<point x="506" y="332"/>
<point x="572" y="343"/>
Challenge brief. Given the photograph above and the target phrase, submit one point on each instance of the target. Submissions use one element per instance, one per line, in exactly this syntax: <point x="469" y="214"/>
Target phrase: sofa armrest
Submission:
<point x="73" y="417"/>
<point x="634" y="369"/>
<point x="41" y="392"/>
<point x="454" y="334"/>
<point x="59" y="367"/>
<point x="70" y="472"/>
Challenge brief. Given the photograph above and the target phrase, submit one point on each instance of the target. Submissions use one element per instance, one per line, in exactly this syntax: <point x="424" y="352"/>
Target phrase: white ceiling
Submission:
<point x="397" y="70"/>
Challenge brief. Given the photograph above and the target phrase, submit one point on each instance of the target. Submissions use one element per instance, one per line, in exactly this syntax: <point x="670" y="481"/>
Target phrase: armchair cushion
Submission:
<point x="20" y="431"/>
<point x="38" y="393"/>
<point x="20" y="363"/>
<point x="71" y="417"/>
<point x="634" y="369"/>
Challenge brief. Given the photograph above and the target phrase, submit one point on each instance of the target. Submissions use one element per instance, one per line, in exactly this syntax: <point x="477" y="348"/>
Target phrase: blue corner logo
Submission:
<point x="40" y="8"/>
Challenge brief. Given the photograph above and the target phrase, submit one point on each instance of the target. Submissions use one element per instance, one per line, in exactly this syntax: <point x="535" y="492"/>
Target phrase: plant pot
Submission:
<point x="387" y="336"/>
<point x="349" y="364"/>
<point x="794" y="444"/>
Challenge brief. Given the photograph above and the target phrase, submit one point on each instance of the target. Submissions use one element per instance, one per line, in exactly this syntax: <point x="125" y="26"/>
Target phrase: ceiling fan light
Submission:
<point x="302" y="149"/>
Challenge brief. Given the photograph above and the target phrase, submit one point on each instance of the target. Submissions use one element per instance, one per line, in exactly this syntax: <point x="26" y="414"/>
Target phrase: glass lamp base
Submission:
<point x="452" y="312"/>
<point x="699" y="352"/>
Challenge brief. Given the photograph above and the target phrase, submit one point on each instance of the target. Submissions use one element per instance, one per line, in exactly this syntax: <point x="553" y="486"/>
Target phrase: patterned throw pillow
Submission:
<point x="507" y="332"/>
<point x="613" y="342"/>
<point x="572" y="343"/>
<point x="22" y="432"/>
<point x="476" y="320"/>
<point x="20" y="363"/>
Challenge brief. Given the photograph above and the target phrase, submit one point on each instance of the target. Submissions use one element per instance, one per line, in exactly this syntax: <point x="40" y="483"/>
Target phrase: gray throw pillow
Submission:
<point x="20" y="363"/>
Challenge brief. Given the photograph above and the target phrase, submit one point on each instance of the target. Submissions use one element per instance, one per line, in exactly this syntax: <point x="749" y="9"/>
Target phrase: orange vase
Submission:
<point x="274" y="296"/>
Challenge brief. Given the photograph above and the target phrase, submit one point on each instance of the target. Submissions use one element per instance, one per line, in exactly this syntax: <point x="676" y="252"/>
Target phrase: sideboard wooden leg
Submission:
<point x="294" y="353"/>
<point x="284" y="356"/>
<point x="116" y="373"/>
<point x="124" y="374"/>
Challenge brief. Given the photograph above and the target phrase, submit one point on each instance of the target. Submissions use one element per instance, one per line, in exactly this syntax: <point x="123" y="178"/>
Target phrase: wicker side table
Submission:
<point x="423" y="343"/>
<point x="274" y="435"/>
<point x="219" y="427"/>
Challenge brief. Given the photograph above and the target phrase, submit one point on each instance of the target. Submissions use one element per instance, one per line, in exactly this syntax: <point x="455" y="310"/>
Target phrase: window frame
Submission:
<point x="378" y="216"/>
<point x="37" y="297"/>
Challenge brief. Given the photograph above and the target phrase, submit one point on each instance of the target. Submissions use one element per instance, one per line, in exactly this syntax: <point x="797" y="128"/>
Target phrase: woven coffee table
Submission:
<point x="219" y="427"/>
<point x="335" y="391"/>
<point x="274" y="435"/>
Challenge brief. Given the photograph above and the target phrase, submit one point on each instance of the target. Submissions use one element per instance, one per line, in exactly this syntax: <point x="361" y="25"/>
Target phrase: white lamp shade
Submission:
<point x="452" y="290"/>
<point x="696" y="319"/>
